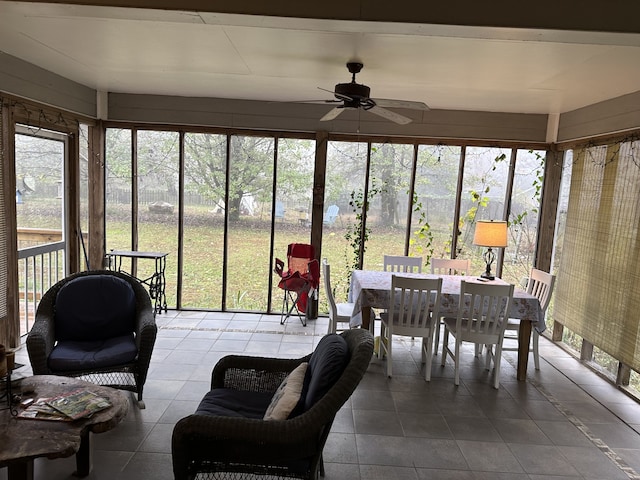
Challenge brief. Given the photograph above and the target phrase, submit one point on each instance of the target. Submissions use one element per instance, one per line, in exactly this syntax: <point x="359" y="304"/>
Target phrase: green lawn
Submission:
<point x="249" y="256"/>
<point x="249" y="265"/>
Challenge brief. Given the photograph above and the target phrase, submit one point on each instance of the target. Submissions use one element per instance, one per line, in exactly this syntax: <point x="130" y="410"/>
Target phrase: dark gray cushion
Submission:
<point x="326" y="364"/>
<point x="94" y="307"/>
<point x="234" y="403"/>
<point x="73" y="355"/>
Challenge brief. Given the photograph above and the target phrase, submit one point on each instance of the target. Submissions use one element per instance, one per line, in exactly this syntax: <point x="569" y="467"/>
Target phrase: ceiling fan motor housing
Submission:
<point x="354" y="91"/>
<point x="357" y="96"/>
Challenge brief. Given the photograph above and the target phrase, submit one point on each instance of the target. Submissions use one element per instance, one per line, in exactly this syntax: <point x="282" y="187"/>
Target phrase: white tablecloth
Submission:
<point x="371" y="289"/>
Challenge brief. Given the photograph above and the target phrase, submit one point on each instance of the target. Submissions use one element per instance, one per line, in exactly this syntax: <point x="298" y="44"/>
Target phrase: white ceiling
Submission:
<point x="276" y="59"/>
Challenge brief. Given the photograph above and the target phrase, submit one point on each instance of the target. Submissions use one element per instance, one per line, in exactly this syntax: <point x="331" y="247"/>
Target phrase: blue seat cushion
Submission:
<point x="238" y="403"/>
<point x="326" y="365"/>
<point x="94" y="307"/>
<point x="234" y="403"/>
<point x="73" y="355"/>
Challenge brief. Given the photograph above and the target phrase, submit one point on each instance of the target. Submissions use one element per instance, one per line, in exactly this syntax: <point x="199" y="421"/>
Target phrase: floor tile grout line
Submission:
<point x="269" y="329"/>
<point x="242" y="330"/>
<point x="579" y="424"/>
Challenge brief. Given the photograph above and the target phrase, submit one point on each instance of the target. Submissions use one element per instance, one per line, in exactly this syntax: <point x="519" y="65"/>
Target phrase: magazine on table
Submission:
<point x="80" y="403"/>
<point x="39" y="410"/>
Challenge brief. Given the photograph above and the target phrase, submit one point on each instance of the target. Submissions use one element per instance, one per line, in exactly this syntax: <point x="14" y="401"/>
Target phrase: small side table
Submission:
<point x="156" y="282"/>
<point x="24" y="440"/>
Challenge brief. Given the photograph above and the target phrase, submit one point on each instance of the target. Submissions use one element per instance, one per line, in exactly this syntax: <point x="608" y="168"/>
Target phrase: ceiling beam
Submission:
<point x="588" y="15"/>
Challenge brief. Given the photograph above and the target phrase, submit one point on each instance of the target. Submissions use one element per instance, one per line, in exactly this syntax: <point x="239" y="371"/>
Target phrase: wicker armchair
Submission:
<point x="128" y="373"/>
<point x="212" y="446"/>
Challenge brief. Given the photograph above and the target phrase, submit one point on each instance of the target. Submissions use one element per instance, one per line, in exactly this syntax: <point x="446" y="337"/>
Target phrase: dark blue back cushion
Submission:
<point x="326" y="364"/>
<point x="95" y="307"/>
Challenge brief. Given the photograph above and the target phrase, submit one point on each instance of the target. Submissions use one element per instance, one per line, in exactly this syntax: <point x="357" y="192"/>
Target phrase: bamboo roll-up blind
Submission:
<point x="5" y="326"/>
<point x="3" y="224"/>
<point x="598" y="286"/>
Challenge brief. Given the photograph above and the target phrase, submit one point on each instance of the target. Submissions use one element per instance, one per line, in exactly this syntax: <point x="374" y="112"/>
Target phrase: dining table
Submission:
<point x="372" y="289"/>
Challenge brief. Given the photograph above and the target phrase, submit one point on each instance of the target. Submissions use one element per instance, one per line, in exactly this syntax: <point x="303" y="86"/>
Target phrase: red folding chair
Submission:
<point x="300" y="281"/>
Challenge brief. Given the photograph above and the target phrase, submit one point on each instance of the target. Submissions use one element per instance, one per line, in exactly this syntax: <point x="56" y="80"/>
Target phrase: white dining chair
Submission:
<point x="447" y="266"/>
<point x="450" y="266"/>
<point x="339" y="313"/>
<point x="482" y="319"/>
<point x="413" y="311"/>
<point x="539" y="284"/>
<point x="402" y="263"/>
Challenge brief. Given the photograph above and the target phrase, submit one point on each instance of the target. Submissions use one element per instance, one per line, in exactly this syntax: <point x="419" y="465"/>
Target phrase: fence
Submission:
<point x="123" y="196"/>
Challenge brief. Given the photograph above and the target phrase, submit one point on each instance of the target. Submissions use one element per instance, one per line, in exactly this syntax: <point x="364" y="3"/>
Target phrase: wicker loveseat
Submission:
<point x="212" y="444"/>
<point x="98" y="325"/>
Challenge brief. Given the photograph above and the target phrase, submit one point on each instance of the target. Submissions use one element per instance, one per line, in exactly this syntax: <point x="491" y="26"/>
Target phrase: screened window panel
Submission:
<point x="250" y="180"/>
<point x="391" y="166"/>
<point x="118" y="195"/>
<point x="346" y="166"/>
<point x="203" y="250"/>
<point x="596" y="293"/>
<point x="435" y="192"/>
<point x="157" y="184"/>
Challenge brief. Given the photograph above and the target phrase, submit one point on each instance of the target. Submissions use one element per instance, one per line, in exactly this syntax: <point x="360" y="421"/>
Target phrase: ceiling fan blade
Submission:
<point x="389" y="115"/>
<point x="387" y="102"/>
<point x="333" y="113"/>
<point x="316" y="101"/>
<point x="337" y="95"/>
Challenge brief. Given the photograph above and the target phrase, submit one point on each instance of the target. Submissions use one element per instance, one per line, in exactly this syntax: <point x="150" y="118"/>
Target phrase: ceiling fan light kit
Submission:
<point x="355" y="95"/>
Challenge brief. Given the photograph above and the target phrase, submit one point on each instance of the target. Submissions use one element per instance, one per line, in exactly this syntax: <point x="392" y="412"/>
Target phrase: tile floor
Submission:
<point x="564" y="422"/>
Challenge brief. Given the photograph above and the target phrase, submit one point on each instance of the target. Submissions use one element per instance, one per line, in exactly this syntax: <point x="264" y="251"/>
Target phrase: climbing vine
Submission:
<point x="479" y="199"/>
<point x="422" y="241"/>
<point x="356" y="235"/>
<point x="519" y="219"/>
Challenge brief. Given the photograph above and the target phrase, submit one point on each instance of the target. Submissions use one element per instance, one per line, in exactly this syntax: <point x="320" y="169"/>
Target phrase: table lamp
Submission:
<point x="491" y="234"/>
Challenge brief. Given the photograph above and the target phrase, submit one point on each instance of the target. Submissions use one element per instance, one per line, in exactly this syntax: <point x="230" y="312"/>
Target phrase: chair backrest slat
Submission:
<point x="483" y="309"/>
<point x="540" y="285"/>
<point x="402" y="263"/>
<point x="415" y="304"/>
<point x="450" y="266"/>
<point x="326" y="276"/>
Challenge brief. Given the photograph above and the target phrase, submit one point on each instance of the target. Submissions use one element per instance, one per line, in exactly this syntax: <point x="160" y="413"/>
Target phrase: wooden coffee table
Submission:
<point x="23" y="440"/>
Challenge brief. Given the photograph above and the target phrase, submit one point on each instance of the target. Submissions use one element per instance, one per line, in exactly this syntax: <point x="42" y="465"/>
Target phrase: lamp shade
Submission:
<point x="490" y="233"/>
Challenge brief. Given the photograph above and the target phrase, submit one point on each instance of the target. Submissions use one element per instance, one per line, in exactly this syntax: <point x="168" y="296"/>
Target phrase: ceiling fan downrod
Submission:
<point x="354" y="67"/>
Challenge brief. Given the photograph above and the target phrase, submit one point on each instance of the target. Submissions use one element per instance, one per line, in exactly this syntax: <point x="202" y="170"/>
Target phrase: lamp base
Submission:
<point x="489" y="258"/>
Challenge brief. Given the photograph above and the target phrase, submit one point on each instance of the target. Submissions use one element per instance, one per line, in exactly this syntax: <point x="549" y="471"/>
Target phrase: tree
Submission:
<point x="206" y="166"/>
<point x="158" y="161"/>
<point x="391" y="166"/>
<point x="250" y="168"/>
<point x="39" y="164"/>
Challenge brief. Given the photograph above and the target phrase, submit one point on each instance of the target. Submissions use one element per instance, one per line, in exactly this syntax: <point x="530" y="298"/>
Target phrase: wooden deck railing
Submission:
<point x="40" y="265"/>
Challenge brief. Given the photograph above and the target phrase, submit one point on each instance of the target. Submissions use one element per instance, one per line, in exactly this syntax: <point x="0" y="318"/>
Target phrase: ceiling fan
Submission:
<point x="355" y="95"/>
